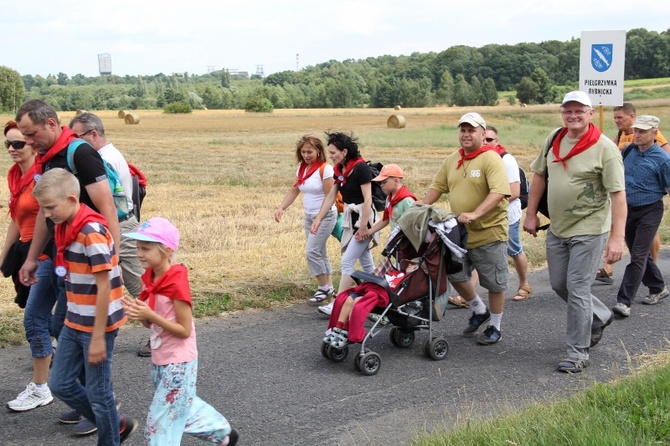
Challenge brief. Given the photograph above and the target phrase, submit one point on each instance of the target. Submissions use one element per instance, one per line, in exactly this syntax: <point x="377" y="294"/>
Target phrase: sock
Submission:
<point x="339" y="325"/>
<point x="325" y="288"/>
<point x="496" y="320"/>
<point x="42" y="386"/>
<point x="477" y="305"/>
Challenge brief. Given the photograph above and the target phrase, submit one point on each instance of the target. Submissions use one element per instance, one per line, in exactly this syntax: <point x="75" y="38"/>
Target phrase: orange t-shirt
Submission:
<point x="625" y="139"/>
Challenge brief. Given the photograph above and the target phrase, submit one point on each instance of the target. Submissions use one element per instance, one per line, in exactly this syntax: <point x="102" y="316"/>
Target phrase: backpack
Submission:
<point x="339" y="204"/>
<point x="139" y="188"/>
<point x="378" y="195"/>
<point x="118" y="193"/>
<point x="542" y="206"/>
<point x="523" y="187"/>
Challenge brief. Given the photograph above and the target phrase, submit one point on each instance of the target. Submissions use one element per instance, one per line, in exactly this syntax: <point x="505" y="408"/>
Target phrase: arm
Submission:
<point x="37" y="245"/>
<point x="288" y="200"/>
<point x="431" y="197"/>
<point x="614" y="247"/>
<point x="490" y="202"/>
<point x="366" y="190"/>
<point x="101" y="196"/>
<point x="328" y="203"/>
<point x="97" y="349"/>
<point x="537" y="186"/>
<point x="516" y="191"/>
<point x="139" y="310"/>
<point x="12" y="236"/>
<point x="364" y="233"/>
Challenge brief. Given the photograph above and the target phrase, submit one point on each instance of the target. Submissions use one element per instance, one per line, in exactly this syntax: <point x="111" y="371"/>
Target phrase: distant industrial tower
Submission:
<point x="105" y="64"/>
<point x="297" y="62"/>
<point x="259" y="71"/>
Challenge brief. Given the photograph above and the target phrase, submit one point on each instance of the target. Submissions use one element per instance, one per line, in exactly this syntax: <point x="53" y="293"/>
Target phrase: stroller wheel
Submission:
<point x="324" y="350"/>
<point x="337" y="354"/>
<point x="370" y="363"/>
<point x="357" y="362"/>
<point x="436" y="348"/>
<point x="400" y="338"/>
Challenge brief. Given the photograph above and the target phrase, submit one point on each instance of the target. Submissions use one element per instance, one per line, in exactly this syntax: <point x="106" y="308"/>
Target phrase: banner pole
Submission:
<point x="602" y="124"/>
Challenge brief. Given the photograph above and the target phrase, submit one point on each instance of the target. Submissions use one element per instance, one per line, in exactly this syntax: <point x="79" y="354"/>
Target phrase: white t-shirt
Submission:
<point x="312" y="189"/>
<point x="115" y="158"/>
<point x="512" y="168"/>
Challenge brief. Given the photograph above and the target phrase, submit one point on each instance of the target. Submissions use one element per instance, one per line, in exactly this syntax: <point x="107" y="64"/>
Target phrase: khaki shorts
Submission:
<point x="491" y="263"/>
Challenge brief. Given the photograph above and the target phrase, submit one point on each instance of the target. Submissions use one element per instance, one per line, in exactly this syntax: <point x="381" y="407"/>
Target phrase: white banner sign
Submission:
<point x="601" y="66"/>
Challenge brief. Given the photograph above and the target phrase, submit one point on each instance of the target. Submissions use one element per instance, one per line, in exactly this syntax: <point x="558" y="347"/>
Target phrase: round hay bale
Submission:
<point x="395" y="122"/>
<point x="131" y="118"/>
<point x="397" y="107"/>
<point x="122" y="114"/>
<point x="79" y="112"/>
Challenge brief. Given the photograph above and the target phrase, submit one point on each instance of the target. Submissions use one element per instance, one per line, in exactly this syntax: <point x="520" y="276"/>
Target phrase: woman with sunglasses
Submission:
<point x="39" y="298"/>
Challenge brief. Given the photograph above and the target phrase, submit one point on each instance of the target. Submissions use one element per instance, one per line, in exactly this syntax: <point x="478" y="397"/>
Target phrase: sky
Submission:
<point x="146" y="37"/>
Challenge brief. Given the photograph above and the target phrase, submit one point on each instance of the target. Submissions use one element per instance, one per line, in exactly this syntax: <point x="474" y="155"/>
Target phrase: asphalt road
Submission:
<point x="264" y="371"/>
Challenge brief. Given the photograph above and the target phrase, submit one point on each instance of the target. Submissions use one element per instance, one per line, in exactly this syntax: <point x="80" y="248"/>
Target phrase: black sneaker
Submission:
<point x="490" y="336"/>
<point x="70" y="417"/>
<point x="233" y="436"/>
<point x="145" y="350"/>
<point x="475" y="322"/>
<point x="128" y="428"/>
<point x="598" y="329"/>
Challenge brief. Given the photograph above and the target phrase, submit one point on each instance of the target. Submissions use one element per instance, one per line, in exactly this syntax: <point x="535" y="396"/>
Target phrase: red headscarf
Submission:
<point x="472" y="155"/>
<point x="341" y="178"/>
<point x="173" y="284"/>
<point x="303" y="173"/>
<point x="587" y="140"/>
<point x="391" y="201"/>
<point x="66" y="234"/>
<point x="62" y="142"/>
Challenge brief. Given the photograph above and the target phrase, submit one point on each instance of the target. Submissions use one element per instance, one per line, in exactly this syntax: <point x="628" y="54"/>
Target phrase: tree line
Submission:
<point x="460" y="75"/>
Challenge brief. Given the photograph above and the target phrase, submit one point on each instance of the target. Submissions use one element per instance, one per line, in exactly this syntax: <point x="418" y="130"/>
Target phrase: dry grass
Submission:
<point x="218" y="175"/>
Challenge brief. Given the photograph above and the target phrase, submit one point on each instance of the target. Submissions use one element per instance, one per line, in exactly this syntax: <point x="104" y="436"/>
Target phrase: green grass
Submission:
<point x="632" y="411"/>
<point x="646" y="82"/>
<point x="11" y="329"/>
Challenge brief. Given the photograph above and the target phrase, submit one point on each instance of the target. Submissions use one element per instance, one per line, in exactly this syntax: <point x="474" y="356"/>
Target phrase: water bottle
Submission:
<point x="120" y="201"/>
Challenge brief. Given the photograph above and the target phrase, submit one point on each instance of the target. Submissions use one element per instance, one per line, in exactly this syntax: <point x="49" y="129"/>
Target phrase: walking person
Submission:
<point x="41" y="296"/>
<point x="353" y="180"/>
<point x="587" y="204"/>
<point x="166" y="307"/>
<point x="314" y="180"/>
<point x="647" y="172"/>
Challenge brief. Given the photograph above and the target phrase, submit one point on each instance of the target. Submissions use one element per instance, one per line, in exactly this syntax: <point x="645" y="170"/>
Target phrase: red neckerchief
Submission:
<point x="62" y="142"/>
<point x="341" y="178"/>
<point x="500" y="150"/>
<point x="303" y="173"/>
<point x="472" y="155"/>
<point x="173" y="284"/>
<point x="587" y="140"/>
<point x="17" y="182"/>
<point x="66" y="234"/>
<point x="391" y="201"/>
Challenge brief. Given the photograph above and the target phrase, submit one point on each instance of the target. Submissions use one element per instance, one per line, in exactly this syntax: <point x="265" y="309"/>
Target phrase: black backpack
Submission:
<point x="523" y="188"/>
<point x="542" y="206"/>
<point x="378" y="195"/>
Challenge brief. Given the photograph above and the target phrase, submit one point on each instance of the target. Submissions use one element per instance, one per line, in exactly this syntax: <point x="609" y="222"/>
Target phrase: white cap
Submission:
<point x="577" y="96"/>
<point x="472" y="118"/>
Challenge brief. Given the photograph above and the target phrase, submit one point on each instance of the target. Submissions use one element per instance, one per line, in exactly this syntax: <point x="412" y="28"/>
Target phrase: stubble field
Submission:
<point x="218" y="176"/>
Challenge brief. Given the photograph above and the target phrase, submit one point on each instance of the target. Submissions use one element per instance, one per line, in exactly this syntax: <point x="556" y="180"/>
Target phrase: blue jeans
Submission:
<point x="95" y="401"/>
<point x="37" y="316"/>
<point x="61" y="306"/>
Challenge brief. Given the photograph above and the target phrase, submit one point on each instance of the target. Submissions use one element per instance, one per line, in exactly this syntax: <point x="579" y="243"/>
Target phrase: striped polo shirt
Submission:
<point x="91" y="252"/>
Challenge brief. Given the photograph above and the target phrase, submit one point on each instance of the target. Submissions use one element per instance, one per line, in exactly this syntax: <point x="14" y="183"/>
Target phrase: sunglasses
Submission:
<point x="489" y="139"/>
<point x="16" y="145"/>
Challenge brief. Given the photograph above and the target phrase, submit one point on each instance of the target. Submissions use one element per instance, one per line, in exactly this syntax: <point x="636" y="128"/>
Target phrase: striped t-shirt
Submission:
<point x="92" y="251"/>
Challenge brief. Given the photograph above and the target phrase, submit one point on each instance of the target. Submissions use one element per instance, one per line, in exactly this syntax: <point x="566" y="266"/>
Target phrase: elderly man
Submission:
<point x="587" y="201"/>
<point x="647" y="169"/>
<point x="478" y="187"/>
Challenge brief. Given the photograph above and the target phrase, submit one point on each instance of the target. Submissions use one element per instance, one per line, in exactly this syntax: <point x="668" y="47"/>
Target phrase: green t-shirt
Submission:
<point x="483" y="175"/>
<point x="400" y="209"/>
<point x="578" y="195"/>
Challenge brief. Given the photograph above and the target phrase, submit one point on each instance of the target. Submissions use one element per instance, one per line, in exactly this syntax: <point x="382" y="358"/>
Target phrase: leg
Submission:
<point x="204" y="422"/>
<point x="355" y="251"/>
<point x="174" y="386"/>
<point x="345" y="312"/>
<point x="316" y="251"/>
<point x="655" y="247"/>
<point x="131" y="268"/>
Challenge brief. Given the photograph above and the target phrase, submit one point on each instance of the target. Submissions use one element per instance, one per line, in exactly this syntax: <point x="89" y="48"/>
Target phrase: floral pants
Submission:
<point x="176" y="409"/>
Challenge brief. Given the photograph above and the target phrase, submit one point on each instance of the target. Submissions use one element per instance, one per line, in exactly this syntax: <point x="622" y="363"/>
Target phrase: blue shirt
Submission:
<point x="647" y="175"/>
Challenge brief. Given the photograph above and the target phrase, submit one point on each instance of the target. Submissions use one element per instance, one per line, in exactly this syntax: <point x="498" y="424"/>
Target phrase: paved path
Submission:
<point x="265" y="372"/>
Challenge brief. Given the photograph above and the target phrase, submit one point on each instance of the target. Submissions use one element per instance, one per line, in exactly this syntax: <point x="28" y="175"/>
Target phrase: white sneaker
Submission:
<point x="326" y="309"/>
<point x="31" y="398"/>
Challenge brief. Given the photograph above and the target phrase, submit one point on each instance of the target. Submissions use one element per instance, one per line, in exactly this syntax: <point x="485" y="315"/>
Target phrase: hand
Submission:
<point x="136" y="310"/>
<point x="27" y="272"/>
<point x="467" y="217"/>
<point x="97" y="350"/>
<point x="530" y="224"/>
<point x="362" y="234"/>
<point x="613" y="249"/>
<point x="278" y="214"/>
<point x="315" y="225"/>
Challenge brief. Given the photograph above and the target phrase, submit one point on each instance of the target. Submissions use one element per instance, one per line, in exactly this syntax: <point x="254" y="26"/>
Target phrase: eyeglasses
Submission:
<point x="574" y="112"/>
<point x="16" y="145"/>
<point x="490" y="139"/>
<point x="86" y="133"/>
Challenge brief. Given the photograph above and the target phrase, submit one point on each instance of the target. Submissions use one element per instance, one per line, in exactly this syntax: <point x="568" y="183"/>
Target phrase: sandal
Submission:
<point x="523" y="293"/>
<point x="604" y="277"/>
<point x="572" y="365"/>
<point x="458" y="301"/>
<point x="341" y="339"/>
<point x="320" y="295"/>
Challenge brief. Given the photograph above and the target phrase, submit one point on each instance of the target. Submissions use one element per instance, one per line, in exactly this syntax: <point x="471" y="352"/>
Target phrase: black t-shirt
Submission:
<point x="351" y="190"/>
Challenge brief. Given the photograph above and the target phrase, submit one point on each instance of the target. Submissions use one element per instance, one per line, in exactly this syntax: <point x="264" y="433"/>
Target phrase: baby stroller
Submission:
<point x="409" y="279"/>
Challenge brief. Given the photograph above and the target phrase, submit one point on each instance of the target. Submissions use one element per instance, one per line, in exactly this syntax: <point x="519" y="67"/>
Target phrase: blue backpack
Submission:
<point x="118" y="193"/>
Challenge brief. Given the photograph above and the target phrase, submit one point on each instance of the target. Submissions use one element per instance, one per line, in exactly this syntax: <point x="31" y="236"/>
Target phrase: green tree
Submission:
<point x="11" y="90"/>
<point x="225" y="79"/>
<point x="527" y="91"/>
<point x="545" y="93"/>
<point x="489" y="92"/>
<point x="462" y="92"/>
<point x="444" y="94"/>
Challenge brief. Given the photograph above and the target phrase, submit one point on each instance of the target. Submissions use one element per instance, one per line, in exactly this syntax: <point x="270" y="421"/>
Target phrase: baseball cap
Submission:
<point x="577" y="96"/>
<point x="157" y="230"/>
<point x="646" y="122"/>
<point x="472" y="118"/>
<point x="389" y="170"/>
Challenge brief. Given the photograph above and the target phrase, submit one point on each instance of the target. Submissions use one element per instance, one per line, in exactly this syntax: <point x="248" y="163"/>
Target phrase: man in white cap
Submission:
<point x="647" y="169"/>
<point x="476" y="180"/>
<point x="587" y="202"/>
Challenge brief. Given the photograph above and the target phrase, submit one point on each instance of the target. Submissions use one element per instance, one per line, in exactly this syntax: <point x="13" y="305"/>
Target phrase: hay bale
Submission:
<point x="395" y="122"/>
<point x="397" y="107"/>
<point x="122" y="114"/>
<point x="131" y="118"/>
<point x="79" y="112"/>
